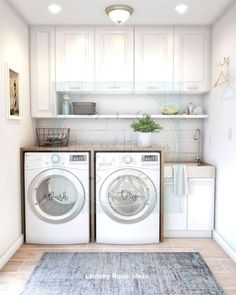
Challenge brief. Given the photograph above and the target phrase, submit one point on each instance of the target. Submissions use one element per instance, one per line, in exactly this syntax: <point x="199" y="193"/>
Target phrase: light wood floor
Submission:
<point x="15" y="273"/>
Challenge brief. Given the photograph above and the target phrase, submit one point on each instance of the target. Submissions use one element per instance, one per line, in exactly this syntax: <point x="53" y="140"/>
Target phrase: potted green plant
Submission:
<point x="145" y="126"/>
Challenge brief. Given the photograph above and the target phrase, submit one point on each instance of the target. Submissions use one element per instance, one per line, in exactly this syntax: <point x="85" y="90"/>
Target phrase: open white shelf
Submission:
<point x="117" y="116"/>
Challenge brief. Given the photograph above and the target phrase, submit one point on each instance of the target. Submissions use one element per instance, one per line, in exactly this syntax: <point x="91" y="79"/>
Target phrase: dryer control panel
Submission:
<point x="106" y="160"/>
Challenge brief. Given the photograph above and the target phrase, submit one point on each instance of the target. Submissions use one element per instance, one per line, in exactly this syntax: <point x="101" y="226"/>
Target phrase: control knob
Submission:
<point x="55" y="158"/>
<point x="127" y="159"/>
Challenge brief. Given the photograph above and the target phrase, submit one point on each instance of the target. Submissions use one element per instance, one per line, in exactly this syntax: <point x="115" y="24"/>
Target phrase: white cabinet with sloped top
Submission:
<point x="175" y="208"/>
<point x="74" y="58"/>
<point x="114" y="59"/>
<point x="153" y="58"/>
<point x="190" y="215"/>
<point x="192" y="58"/>
<point x="42" y="60"/>
<point x="201" y="203"/>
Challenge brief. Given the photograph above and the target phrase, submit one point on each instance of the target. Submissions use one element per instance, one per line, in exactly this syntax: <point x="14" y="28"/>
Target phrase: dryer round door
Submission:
<point x="56" y="196"/>
<point x="128" y="196"/>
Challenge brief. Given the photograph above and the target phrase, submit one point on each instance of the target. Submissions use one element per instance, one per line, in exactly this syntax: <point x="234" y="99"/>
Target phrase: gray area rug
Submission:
<point x="121" y="274"/>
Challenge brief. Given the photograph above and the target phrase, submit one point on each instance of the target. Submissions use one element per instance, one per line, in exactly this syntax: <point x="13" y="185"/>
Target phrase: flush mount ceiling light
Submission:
<point x="54" y="8"/>
<point x="181" y="8"/>
<point x="119" y="13"/>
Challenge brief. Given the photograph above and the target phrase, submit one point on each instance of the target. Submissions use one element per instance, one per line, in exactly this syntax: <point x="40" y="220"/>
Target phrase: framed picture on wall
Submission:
<point x="12" y="93"/>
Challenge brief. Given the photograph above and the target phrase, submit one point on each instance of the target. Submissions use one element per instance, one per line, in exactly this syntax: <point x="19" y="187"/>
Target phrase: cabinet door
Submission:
<point x="175" y="209"/>
<point x="192" y="59"/>
<point x="42" y="71"/>
<point x="153" y="59"/>
<point x="201" y="204"/>
<point x="74" y="58"/>
<point x="114" y="59"/>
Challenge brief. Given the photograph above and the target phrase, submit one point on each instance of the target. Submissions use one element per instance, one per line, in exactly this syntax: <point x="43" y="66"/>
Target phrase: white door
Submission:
<point x="56" y="196"/>
<point x="75" y="58"/>
<point x="192" y="59"/>
<point x="114" y="59"/>
<point x="128" y="196"/>
<point x="42" y="60"/>
<point x="153" y="59"/>
<point x="201" y="203"/>
<point x="175" y="209"/>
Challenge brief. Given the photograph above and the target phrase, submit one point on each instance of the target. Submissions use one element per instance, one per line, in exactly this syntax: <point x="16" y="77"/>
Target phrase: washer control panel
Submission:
<point x="37" y="160"/>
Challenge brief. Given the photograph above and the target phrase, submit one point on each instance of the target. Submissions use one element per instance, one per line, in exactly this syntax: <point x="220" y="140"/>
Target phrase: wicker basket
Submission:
<point x="53" y="136"/>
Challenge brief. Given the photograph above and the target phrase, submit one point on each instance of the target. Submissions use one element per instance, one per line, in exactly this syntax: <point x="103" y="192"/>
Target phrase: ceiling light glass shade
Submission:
<point x="54" y="8"/>
<point x="181" y="8"/>
<point x="119" y="13"/>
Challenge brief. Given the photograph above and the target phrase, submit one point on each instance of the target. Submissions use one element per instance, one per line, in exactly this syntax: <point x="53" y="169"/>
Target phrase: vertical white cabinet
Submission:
<point x="191" y="215"/>
<point x="153" y="58"/>
<point x="114" y="59"/>
<point x="42" y="59"/>
<point x="201" y="203"/>
<point x="175" y="208"/>
<point x="74" y="58"/>
<point x="192" y="58"/>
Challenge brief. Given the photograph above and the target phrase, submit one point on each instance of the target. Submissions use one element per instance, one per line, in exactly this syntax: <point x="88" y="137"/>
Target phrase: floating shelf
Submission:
<point x="117" y="116"/>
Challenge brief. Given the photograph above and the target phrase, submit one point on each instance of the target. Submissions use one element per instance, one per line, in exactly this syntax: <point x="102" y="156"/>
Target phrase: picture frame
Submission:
<point x="13" y="93"/>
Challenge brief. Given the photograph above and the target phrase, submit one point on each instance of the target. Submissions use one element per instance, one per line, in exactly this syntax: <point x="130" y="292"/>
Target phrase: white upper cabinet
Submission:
<point x="105" y="59"/>
<point x="153" y="59"/>
<point x="42" y="61"/>
<point x="114" y="59"/>
<point x="74" y="58"/>
<point x="192" y="59"/>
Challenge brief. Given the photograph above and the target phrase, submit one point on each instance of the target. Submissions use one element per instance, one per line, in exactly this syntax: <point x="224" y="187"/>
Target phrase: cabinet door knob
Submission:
<point x="114" y="87"/>
<point x="193" y="87"/>
<point x="75" y="87"/>
<point x="153" y="87"/>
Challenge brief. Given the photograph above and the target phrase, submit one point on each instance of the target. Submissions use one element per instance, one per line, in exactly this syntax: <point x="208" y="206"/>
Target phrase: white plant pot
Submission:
<point x="145" y="139"/>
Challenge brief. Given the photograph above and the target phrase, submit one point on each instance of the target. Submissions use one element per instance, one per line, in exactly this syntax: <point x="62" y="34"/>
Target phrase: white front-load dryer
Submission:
<point x="127" y="197"/>
<point x="57" y="197"/>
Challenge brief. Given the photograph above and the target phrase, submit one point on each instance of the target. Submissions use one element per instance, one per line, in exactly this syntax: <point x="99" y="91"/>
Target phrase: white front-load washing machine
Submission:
<point x="57" y="197"/>
<point x="128" y="197"/>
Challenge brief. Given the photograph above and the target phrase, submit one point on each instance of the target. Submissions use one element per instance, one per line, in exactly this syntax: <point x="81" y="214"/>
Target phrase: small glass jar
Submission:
<point x="66" y="105"/>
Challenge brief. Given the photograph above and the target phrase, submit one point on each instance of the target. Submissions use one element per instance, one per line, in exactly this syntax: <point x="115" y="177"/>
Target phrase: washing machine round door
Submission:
<point x="56" y="196"/>
<point x="128" y="196"/>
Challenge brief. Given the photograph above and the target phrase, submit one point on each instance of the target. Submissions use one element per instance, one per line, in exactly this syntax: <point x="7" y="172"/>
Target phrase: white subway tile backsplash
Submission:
<point x="177" y="137"/>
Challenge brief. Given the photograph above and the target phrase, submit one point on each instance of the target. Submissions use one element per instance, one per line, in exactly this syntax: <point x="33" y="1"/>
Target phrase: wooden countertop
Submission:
<point x="79" y="147"/>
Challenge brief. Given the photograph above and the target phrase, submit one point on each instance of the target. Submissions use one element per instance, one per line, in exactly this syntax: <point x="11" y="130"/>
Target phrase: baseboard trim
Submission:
<point x="187" y="234"/>
<point x="11" y="251"/>
<point x="226" y="247"/>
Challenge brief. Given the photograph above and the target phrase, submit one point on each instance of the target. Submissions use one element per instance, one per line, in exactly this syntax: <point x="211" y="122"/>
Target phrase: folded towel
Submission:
<point x="180" y="180"/>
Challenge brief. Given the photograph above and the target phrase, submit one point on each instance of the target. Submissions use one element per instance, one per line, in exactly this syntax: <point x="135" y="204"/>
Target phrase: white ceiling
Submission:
<point x="146" y="12"/>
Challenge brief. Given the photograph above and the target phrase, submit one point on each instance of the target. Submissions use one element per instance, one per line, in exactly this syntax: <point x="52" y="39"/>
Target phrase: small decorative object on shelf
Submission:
<point x="84" y="108"/>
<point x="190" y="109"/>
<point x="66" y="105"/>
<point x="198" y="111"/>
<point x="170" y="109"/>
<point x="53" y="136"/>
<point x="145" y="126"/>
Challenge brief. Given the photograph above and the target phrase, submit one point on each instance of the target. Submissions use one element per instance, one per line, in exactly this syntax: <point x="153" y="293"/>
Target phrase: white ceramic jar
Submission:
<point x="145" y="138"/>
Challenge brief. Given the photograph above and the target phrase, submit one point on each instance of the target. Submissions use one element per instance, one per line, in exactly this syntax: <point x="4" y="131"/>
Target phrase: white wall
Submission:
<point x="14" y="49"/>
<point x="176" y="138"/>
<point x="220" y="148"/>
